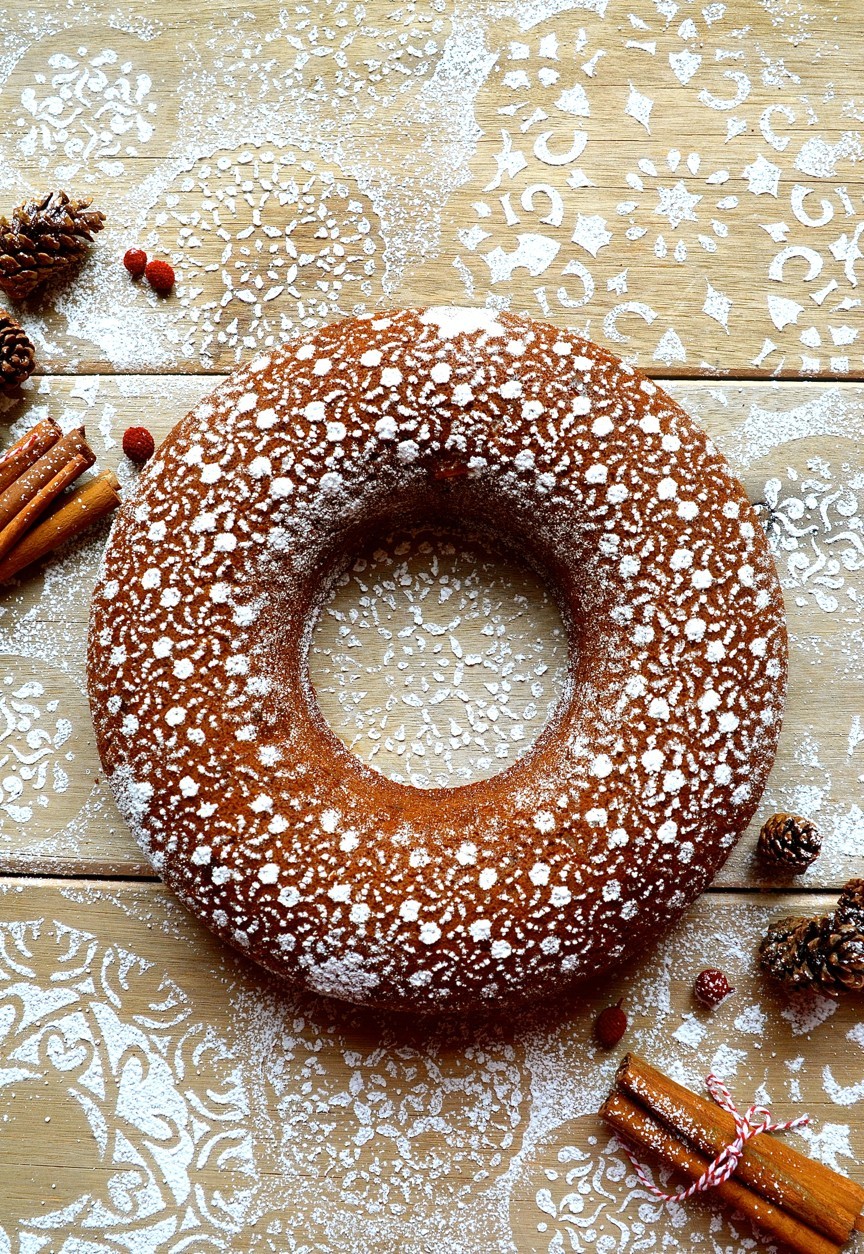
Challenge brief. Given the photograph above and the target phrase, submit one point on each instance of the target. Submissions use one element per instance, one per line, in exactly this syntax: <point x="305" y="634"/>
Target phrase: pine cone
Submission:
<point x="851" y="903"/>
<point x="789" y="841"/>
<point x="824" y="953"/>
<point x="16" y="353"/>
<point x="844" y="939"/>
<point x="44" y="240"/>
<point x="790" y="952"/>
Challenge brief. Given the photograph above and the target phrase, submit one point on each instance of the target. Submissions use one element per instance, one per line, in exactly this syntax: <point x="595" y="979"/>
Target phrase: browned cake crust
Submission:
<point x="282" y="841"/>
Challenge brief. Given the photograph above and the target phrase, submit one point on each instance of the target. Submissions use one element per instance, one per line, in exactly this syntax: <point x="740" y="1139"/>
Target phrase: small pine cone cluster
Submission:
<point x="820" y="953"/>
<point x="45" y="239"/>
<point x="790" y="842"/>
<point x="17" y="355"/>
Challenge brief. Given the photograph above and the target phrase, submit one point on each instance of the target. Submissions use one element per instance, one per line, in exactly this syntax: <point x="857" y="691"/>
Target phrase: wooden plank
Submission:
<point x="686" y="188"/>
<point x="55" y="809"/>
<point x="805" y="439"/>
<point x="655" y="181"/>
<point x="154" y="1086"/>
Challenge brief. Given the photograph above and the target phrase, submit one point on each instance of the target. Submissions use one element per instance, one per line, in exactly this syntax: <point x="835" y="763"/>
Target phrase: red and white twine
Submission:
<point x="726" y="1162"/>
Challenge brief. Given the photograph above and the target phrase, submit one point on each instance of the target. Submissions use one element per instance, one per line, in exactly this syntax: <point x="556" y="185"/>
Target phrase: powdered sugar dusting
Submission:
<point x="428" y="1143"/>
<point x="291" y="112"/>
<point x="456" y="1137"/>
<point x="437" y="669"/>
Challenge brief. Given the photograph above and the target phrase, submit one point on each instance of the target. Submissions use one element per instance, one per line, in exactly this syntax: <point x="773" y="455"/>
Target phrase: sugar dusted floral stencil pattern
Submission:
<point x="800" y="454"/>
<point x="265" y="241"/>
<point x="82" y="113"/>
<point x="41" y="746"/>
<point x="214" y="1129"/>
<point x="629" y="156"/>
<point x="604" y="164"/>
<point x="428" y="721"/>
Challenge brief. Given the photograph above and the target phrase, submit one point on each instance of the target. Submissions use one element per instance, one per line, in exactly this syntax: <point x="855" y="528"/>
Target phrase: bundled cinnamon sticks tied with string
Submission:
<point x="799" y="1203"/>
<point x="35" y="515"/>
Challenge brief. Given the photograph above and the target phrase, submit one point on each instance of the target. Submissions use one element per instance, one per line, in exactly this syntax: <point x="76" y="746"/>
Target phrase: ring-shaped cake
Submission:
<point x="314" y="864"/>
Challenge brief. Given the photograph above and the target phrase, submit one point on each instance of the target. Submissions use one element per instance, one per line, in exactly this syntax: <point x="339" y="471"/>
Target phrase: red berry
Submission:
<point x="160" y="276"/>
<point x="711" y="987"/>
<point x="610" y="1025"/>
<point x="138" y="444"/>
<point x="135" y="261"/>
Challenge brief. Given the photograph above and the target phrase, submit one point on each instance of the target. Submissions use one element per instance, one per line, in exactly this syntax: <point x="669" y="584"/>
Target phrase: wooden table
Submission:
<point x="684" y="183"/>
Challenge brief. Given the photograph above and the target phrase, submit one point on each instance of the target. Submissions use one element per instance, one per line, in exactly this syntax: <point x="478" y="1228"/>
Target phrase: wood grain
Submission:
<point x="684" y="184"/>
<point x="687" y="190"/>
<point x="201" y="1077"/>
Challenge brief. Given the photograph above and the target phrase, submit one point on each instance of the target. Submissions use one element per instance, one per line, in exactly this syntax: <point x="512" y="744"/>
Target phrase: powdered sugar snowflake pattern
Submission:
<point x="687" y="219"/>
<point x="82" y="114"/>
<point x="264" y="242"/>
<point x="467" y="691"/>
<point x="583" y="210"/>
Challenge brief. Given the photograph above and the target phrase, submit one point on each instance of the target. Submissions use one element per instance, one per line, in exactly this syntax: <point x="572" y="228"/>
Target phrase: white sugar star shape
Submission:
<point x="508" y="161"/>
<point x="762" y="177"/>
<point x="591" y="233"/>
<point x="676" y="204"/>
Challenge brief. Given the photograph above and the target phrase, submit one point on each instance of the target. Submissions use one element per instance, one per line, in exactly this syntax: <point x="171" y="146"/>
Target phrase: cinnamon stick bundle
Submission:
<point x="81" y="510"/>
<point x="632" y="1121"/>
<point x="795" y="1200"/>
<point x="56" y="459"/>
<point x="26" y="517"/>
<point x="34" y="473"/>
<point x="770" y="1166"/>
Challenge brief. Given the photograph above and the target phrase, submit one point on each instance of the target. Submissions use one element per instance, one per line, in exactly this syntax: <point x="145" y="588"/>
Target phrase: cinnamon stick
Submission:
<point x="628" y="1118"/>
<point x="20" y="492"/>
<point x="24" y="519"/>
<point x="81" y="509"/>
<point x="818" y="1196"/>
<point x="27" y="450"/>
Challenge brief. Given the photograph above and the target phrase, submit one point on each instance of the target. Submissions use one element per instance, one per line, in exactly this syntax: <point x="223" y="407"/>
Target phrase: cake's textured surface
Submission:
<point x="269" y="829"/>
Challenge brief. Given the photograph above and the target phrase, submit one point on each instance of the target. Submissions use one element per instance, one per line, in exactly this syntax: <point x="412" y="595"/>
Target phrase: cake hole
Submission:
<point x="435" y="664"/>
